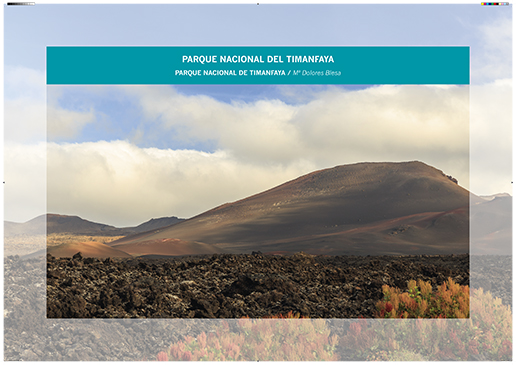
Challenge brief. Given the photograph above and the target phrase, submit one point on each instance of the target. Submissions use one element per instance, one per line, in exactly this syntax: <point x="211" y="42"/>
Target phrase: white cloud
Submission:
<point x="25" y="181"/>
<point x="492" y="59"/>
<point x="25" y="120"/>
<point x="24" y="104"/>
<point x="121" y="184"/>
<point x="23" y="82"/>
<point x="63" y="123"/>
<point x="261" y="130"/>
<point x="491" y="137"/>
<point x="25" y="115"/>
<point x="385" y="123"/>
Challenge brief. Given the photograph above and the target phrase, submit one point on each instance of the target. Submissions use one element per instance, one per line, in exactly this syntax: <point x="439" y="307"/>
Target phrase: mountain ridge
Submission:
<point x="334" y="203"/>
<point x="73" y="224"/>
<point x="301" y="215"/>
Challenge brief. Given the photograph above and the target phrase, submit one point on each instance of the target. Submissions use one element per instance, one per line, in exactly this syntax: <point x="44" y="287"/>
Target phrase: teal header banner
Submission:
<point x="257" y="65"/>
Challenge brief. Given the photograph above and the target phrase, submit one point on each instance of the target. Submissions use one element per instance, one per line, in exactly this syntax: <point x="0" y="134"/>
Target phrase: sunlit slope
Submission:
<point x="87" y="249"/>
<point x="352" y="209"/>
<point x="168" y="247"/>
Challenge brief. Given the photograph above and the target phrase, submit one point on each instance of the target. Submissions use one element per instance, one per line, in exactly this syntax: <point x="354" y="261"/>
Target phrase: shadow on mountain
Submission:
<point x="365" y="208"/>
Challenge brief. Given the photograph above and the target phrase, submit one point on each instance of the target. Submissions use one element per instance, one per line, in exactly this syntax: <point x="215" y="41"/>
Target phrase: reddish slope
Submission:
<point x="167" y="247"/>
<point x="320" y="211"/>
<point x="87" y="249"/>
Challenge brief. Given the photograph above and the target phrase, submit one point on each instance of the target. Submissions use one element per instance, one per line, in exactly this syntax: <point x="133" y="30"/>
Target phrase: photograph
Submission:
<point x="229" y="201"/>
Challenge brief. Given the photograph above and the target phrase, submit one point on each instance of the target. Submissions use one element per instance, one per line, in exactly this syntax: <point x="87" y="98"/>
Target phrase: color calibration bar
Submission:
<point x="495" y="3"/>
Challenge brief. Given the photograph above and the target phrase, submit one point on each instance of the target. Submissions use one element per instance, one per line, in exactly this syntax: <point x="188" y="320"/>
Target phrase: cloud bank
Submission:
<point x="122" y="184"/>
<point x="335" y="126"/>
<point x="258" y="145"/>
<point x="254" y="146"/>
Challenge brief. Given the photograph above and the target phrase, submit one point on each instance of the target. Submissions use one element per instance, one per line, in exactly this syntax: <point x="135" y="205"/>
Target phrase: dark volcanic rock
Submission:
<point x="232" y="286"/>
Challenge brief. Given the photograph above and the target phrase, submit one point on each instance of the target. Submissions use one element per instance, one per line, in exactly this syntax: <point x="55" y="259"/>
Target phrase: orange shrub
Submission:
<point x="486" y="335"/>
<point x="449" y="301"/>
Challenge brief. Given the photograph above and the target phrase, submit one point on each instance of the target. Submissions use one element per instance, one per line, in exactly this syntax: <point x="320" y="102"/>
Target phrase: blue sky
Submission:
<point x="200" y="146"/>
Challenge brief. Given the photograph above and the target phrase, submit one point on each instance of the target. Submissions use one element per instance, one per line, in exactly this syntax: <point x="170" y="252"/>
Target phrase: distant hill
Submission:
<point x="360" y="209"/>
<point x="76" y="225"/>
<point x="156" y="223"/>
<point x="491" y="226"/>
<point x="494" y="196"/>
<point x="35" y="226"/>
<point x="56" y="223"/>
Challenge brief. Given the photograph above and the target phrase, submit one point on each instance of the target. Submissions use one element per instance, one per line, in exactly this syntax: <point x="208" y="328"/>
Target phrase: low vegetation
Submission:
<point x="276" y="338"/>
<point x="485" y="334"/>
<point x="451" y="300"/>
<point x="464" y="328"/>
